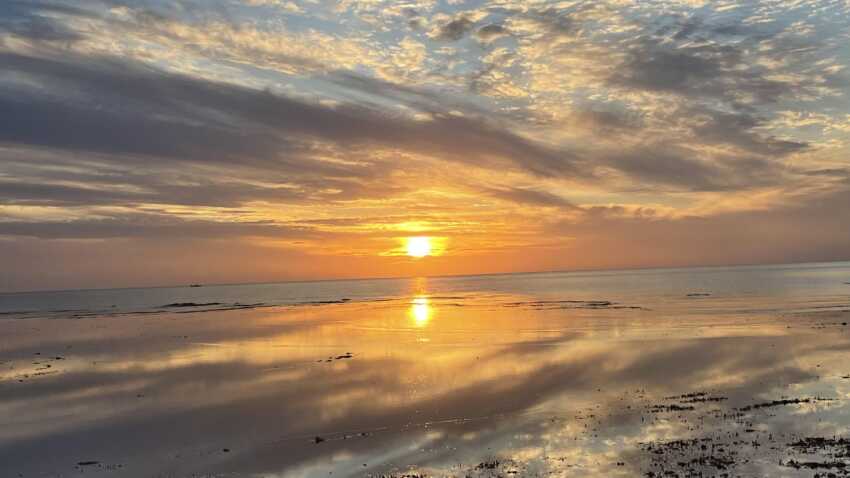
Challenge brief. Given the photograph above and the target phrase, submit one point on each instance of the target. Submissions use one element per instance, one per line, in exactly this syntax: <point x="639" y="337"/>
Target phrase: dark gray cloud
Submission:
<point x="652" y="68"/>
<point x="737" y="129"/>
<point x="670" y="165"/>
<point x="659" y="165"/>
<point x="528" y="196"/>
<point x="133" y="111"/>
<point x="154" y="226"/>
<point x="704" y="69"/>
<point x="688" y="28"/>
<point x="455" y="29"/>
<point x="491" y="32"/>
<point x="43" y="185"/>
<point x="156" y="191"/>
<point x="28" y="193"/>
<point x="32" y="20"/>
<point x="149" y="128"/>
<point x="607" y="122"/>
<point x="697" y="28"/>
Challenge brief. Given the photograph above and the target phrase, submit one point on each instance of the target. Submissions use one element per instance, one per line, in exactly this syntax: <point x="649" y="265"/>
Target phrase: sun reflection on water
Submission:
<point x="420" y="311"/>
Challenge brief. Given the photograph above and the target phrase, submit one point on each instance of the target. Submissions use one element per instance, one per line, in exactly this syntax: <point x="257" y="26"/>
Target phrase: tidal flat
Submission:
<point x="437" y="381"/>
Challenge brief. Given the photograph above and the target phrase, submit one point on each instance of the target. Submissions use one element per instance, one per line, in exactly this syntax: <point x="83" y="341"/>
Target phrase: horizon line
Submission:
<point x="440" y="276"/>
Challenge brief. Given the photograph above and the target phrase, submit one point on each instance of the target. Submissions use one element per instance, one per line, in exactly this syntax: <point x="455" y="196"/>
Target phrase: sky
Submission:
<point x="157" y="142"/>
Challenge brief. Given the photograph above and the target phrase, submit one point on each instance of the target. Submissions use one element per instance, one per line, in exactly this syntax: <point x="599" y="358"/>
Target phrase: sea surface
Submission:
<point x="732" y="289"/>
<point x="722" y="371"/>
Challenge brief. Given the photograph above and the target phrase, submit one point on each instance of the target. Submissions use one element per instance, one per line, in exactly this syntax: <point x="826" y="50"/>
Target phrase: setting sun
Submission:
<point x="418" y="246"/>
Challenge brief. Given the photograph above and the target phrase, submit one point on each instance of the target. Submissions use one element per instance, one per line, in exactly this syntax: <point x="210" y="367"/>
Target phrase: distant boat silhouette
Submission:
<point x="195" y="285"/>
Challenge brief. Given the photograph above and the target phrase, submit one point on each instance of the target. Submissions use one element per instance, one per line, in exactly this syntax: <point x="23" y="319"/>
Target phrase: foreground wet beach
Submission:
<point x="468" y="384"/>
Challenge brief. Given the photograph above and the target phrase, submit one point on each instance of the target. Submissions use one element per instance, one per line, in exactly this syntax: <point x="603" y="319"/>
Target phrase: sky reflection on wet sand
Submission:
<point x="450" y="385"/>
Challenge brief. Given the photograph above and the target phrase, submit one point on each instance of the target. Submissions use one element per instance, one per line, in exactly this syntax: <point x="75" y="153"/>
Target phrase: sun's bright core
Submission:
<point x="418" y="246"/>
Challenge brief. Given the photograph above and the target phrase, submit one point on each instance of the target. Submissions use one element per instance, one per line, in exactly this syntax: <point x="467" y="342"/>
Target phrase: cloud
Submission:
<point x="805" y="229"/>
<point x="491" y="32"/>
<point x="737" y="129"/>
<point x="153" y="189"/>
<point x="605" y="122"/>
<point x="698" y="71"/>
<point x="341" y="114"/>
<point x="35" y="21"/>
<point x="152" y="226"/>
<point x="671" y="165"/>
<point x="144" y="112"/>
<point x="453" y="30"/>
<point x="528" y="196"/>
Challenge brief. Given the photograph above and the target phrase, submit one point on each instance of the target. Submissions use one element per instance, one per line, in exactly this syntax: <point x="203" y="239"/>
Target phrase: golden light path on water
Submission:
<point x="420" y="311"/>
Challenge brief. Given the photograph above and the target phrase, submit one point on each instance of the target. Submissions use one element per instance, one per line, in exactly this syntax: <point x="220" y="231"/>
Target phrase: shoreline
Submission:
<point x="455" y="385"/>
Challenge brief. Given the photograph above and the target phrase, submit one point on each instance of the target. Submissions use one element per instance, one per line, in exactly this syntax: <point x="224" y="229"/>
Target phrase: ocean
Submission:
<point x="743" y="289"/>
<point x="715" y="371"/>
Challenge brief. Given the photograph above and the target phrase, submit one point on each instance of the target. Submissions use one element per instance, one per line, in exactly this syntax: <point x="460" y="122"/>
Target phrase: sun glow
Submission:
<point x="418" y="246"/>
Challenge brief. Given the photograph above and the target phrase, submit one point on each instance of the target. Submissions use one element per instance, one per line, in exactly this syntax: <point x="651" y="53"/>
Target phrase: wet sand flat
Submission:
<point x="428" y="386"/>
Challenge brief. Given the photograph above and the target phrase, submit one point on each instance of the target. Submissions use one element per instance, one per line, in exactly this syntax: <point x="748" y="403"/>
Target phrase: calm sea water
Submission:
<point x="739" y="289"/>
<point x="738" y="371"/>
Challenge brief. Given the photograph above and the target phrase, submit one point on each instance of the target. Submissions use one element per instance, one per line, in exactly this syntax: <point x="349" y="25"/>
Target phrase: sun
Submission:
<point x="418" y="246"/>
